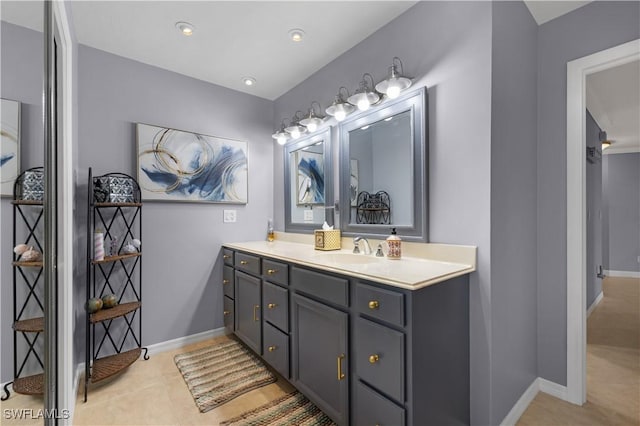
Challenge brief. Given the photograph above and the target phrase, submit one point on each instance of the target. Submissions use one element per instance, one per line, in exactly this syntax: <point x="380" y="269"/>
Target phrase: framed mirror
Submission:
<point x="383" y="170"/>
<point x="308" y="181"/>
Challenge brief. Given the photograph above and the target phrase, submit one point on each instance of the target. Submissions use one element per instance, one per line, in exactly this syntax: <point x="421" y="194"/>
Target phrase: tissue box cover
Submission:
<point x="32" y="187"/>
<point x="113" y="189"/>
<point x="327" y="239"/>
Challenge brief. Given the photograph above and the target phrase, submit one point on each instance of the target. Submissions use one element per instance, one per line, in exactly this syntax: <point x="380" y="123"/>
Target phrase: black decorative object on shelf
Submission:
<point x="373" y="208"/>
<point x="28" y="289"/>
<point x="114" y="329"/>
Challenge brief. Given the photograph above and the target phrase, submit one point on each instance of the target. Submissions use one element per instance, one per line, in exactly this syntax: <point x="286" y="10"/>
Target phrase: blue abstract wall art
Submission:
<point x="310" y="185"/>
<point x="9" y="145"/>
<point x="174" y="165"/>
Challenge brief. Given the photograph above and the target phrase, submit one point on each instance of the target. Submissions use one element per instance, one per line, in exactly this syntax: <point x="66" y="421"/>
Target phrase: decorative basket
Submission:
<point x="30" y="185"/>
<point x="327" y="239"/>
<point x="113" y="189"/>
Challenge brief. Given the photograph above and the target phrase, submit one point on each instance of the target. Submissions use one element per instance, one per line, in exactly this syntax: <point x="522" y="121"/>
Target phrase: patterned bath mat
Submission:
<point x="291" y="409"/>
<point x="217" y="374"/>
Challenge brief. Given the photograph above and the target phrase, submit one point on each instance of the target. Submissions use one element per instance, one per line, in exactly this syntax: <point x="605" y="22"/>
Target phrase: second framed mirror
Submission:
<point x="308" y="180"/>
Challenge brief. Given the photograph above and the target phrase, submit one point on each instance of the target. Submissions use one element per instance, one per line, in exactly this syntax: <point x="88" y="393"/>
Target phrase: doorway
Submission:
<point x="577" y="71"/>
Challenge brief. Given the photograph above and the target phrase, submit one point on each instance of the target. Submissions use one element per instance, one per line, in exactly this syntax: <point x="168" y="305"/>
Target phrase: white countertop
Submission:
<point x="410" y="273"/>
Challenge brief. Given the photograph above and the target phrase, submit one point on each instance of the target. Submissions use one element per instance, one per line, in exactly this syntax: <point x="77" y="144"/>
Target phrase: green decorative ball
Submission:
<point x="94" y="305"/>
<point x="109" y="301"/>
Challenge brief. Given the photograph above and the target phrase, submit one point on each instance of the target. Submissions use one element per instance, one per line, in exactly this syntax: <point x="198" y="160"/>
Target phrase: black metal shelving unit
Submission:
<point x="28" y="291"/>
<point x="114" y="335"/>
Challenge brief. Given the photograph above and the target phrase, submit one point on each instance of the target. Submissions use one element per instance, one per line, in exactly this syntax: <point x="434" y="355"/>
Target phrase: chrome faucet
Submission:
<point x="367" y="247"/>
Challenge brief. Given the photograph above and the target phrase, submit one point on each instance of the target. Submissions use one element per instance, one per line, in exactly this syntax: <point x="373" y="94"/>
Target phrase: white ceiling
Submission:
<point x="544" y="11"/>
<point x="613" y="99"/>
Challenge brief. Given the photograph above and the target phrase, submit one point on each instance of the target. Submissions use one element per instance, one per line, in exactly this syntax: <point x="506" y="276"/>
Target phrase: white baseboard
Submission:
<point x="595" y="303"/>
<point x="521" y="405"/>
<point x="538" y="385"/>
<point x="622" y="274"/>
<point x="183" y="341"/>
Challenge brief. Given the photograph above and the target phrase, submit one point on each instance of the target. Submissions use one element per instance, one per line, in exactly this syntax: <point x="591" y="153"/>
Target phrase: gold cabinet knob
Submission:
<point x="271" y="305"/>
<point x="244" y="262"/>
<point x="225" y="281"/>
<point x="374" y="304"/>
<point x="272" y="348"/>
<point x="226" y="313"/>
<point x="374" y="358"/>
<point x="271" y="271"/>
<point x="226" y="256"/>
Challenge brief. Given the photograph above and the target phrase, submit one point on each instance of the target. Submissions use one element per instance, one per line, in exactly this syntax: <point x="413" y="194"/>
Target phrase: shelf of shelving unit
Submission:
<point x="115" y="312"/>
<point x="108" y="259"/>
<point x="27" y="203"/>
<point x="30" y="385"/>
<point x="31" y="325"/>
<point x="118" y="204"/>
<point x="103" y="368"/>
<point x="38" y="264"/>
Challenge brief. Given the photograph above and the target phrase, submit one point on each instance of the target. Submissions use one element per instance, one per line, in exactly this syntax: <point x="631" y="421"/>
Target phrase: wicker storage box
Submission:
<point x="327" y="239"/>
<point x="113" y="189"/>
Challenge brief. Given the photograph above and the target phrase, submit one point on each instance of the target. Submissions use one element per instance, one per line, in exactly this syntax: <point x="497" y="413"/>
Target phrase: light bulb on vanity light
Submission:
<point x="395" y="81"/>
<point x="312" y="121"/>
<point x="340" y="108"/>
<point x="364" y="96"/>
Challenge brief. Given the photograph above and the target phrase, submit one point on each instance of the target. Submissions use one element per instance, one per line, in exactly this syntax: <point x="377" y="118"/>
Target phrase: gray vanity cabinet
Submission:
<point x="248" y="313"/>
<point x="320" y="356"/>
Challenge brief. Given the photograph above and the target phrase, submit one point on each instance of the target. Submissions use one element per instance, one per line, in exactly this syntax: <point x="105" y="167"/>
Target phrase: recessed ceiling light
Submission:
<point x="296" y="34"/>
<point x="248" y="81"/>
<point x="185" y="28"/>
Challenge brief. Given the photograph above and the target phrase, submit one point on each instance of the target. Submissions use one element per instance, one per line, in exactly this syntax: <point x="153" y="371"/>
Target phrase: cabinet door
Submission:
<point x="320" y="356"/>
<point x="248" y="312"/>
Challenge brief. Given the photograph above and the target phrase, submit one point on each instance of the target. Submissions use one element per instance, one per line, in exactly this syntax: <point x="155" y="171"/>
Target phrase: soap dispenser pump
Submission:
<point x="394" y="244"/>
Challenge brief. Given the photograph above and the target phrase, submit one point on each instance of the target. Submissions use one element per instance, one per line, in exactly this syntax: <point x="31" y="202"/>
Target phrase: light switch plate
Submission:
<point x="308" y="215"/>
<point x="229" y="216"/>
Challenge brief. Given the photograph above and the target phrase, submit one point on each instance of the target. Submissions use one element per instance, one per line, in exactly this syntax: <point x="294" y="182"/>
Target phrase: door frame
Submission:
<point x="577" y="72"/>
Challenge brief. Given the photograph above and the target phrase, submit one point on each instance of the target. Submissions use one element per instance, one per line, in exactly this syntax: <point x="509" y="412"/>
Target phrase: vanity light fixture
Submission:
<point x="248" y="81"/>
<point x="340" y="108"/>
<point x="606" y="143"/>
<point x="395" y="82"/>
<point x="185" y="28"/>
<point x="312" y="121"/>
<point x="281" y="135"/>
<point x="296" y="35"/>
<point x="364" y="96"/>
<point x="295" y="129"/>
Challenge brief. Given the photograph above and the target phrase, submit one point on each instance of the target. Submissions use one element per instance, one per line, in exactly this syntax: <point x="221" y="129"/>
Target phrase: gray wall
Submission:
<point x="181" y="267"/>
<point x="594" y="212"/>
<point x="21" y="80"/>
<point x="513" y="205"/>
<point x="589" y="29"/>
<point x="622" y="186"/>
<point x="447" y="47"/>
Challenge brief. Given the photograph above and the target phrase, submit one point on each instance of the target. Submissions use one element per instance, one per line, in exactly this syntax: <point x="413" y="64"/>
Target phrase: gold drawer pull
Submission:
<point x="225" y="281"/>
<point x="340" y="373"/>
<point x="374" y="358"/>
<point x="226" y="256"/>
<point x="272" y="348"/>
<point x="255" y="316"/>
<point x="226" y="313"/>
<point x="244" y="262"/>
<point x="374" y="304"/>
<point x="271" y="305"/>
<point x="271" y="271"/>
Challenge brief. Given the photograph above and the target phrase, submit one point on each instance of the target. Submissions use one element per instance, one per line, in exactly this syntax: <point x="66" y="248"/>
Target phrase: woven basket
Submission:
<point x="327" y="239"/>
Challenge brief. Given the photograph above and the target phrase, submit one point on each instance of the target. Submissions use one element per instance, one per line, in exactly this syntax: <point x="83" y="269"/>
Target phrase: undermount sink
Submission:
<point x="349" y="258"/>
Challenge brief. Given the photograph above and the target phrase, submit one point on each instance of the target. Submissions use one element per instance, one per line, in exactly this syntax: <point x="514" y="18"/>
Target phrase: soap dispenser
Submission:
<point x="394" y="244"/>
<point x="271" y="235"/>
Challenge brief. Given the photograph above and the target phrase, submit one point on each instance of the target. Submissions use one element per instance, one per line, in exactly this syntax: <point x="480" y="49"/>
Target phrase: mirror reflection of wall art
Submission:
<point x="9" y="145"/>
<point x="175" y="165"/>
<point x="310" y="184"/>
<point x="353" y="185"/>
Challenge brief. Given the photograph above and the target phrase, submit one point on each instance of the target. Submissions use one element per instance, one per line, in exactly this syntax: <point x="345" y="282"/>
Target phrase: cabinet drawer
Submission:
<point x="247" y="263"/>
<point x="326" y="287"/>
<point x="227" y="281"/>
<point x="380" y="303"/>
<point x="380" y="357"/>
<point x="227" y="256"/>
<point x="276" y="349"/>
<point x="275" y="272"/>
<point x="228" y="315"/>
<point x="275" y="305"/>
<point x="371" y="408"/>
